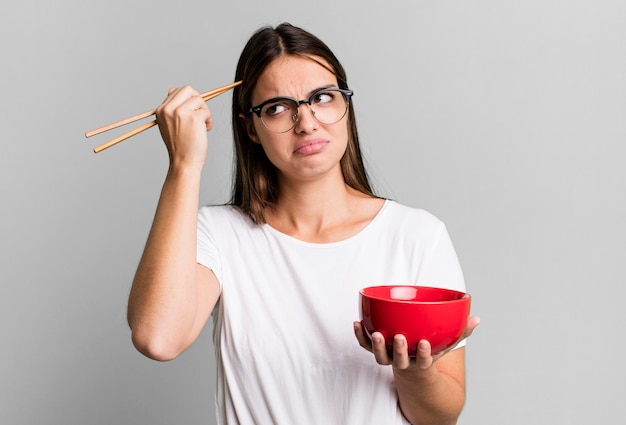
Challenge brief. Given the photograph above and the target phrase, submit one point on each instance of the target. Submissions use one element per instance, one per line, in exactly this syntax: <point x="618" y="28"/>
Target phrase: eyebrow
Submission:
<point x="309" y="94"/>
<point x="328" y="86"/>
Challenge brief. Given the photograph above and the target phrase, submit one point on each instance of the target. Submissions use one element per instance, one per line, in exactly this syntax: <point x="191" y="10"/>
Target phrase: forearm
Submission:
<point x="430" y="396"/>
<point x="163" y="300"/>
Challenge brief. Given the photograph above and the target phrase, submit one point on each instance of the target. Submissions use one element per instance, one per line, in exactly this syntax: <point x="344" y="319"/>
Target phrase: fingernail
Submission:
<point x="423" y="346"/>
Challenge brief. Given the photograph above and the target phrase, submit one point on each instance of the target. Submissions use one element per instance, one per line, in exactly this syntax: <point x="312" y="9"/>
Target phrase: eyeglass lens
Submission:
<point x="327" y="106"/>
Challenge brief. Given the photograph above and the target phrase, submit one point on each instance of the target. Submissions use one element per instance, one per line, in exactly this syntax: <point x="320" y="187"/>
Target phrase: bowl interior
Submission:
<point x="413" y="294"/>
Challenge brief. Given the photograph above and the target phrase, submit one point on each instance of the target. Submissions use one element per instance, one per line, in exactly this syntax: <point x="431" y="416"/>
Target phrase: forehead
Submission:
<point x="293" y="76"/>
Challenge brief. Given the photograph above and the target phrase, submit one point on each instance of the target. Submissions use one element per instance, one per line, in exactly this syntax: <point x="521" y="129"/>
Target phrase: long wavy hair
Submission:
<point x="255" y="185"/>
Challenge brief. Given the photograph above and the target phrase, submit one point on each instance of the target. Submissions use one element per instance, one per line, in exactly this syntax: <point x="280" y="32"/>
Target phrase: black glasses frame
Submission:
<point x="257" y="109"/>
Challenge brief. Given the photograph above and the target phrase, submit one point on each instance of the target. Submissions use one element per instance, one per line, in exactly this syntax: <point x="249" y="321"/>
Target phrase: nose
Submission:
<point x="305" y="120"/>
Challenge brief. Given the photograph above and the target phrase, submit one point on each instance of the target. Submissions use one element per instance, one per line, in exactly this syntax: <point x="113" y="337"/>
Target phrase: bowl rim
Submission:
<point x="464" y="298"/>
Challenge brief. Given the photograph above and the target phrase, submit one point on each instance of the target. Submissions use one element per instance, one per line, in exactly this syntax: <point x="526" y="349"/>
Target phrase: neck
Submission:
<point x="318" y="211"/>
<point x="312" y="200"/>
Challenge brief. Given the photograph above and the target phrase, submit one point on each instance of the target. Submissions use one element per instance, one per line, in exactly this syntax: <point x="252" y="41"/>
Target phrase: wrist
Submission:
<point x="415" y="375"/>
<point x="185" y="169"/>
<point x="428" y="395"/>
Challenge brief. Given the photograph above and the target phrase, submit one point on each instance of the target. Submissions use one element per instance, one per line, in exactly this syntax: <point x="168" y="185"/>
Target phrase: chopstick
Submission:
<point x="206" y="96"/>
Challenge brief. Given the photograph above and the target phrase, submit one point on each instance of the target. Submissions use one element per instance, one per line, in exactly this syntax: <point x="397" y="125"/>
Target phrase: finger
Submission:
<point x="189" y="100"/>
<point x="472" y="323"/>
<point x="186" y="107"/>
<point x="401" y="359"/>
<point x="361" y="336"/>
<point x="187" y="91"/>
<point x="423" y="356"/>
<point x="195" y="106"/>
<point x="168" y="103"/>
<point x="172" y="93"/>
<point x="379" y="349"/>
<point x="200" y="108"/>
<point x="177" y="97"/>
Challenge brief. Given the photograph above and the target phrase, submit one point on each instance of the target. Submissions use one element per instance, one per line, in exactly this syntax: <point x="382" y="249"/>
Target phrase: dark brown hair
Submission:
<point x="256" y="185"/>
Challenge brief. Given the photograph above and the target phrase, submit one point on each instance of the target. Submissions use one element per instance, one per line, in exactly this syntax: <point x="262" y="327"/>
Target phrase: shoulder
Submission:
<point x="223" y="217"/>
<point x="221" y="212"/>
<point x="395" y="212"/>
<point x="408" y="225"/>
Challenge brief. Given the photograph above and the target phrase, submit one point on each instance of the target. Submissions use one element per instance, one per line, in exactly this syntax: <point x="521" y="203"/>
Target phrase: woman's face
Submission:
<point x="311" y="149"/>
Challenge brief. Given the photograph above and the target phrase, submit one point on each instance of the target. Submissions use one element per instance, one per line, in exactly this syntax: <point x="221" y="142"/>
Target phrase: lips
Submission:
<point x="309" y="147"/>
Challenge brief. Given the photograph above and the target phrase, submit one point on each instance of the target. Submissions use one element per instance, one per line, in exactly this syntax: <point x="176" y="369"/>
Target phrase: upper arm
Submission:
<point x="208" y="294"/>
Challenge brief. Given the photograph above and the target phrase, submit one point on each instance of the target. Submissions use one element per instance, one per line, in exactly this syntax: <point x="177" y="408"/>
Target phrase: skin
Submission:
<point x="172" y="296"/>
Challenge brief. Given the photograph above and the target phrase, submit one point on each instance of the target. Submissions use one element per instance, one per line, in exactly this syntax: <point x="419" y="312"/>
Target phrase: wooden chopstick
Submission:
<point x="206" y="96"/>
<point x="146" y="114"/>
<point x="123" y="137"/>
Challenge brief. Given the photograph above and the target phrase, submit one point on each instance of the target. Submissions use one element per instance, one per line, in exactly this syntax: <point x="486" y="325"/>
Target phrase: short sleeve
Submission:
<point x="207" y="250"/>
<point x="441" y="265"/>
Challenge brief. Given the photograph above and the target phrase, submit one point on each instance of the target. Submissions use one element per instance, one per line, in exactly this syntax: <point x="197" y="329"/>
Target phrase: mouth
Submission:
<point x="309" y="147"/>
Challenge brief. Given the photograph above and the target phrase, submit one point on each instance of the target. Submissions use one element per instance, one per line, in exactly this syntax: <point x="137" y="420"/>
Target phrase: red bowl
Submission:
<point x="417" y="312"/>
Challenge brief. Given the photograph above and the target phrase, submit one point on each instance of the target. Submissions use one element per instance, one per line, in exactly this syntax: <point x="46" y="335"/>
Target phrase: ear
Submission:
<point x="249" y="125"/>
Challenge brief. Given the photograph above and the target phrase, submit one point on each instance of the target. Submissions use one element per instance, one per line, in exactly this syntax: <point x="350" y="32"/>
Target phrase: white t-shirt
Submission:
<point x="285" y="347"/>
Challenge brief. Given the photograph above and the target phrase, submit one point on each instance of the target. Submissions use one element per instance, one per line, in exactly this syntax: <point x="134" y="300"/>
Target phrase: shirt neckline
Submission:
<point x="349" y="239"/>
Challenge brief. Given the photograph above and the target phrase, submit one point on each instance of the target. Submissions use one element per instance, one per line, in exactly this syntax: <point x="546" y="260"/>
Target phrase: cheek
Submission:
<point x="274" y="150"/>
<point x="344" y="136"/>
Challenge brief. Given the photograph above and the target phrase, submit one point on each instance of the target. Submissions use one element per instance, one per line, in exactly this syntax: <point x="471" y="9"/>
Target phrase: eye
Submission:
<point x="323" y="97"/>
<point x="277" y="108"/>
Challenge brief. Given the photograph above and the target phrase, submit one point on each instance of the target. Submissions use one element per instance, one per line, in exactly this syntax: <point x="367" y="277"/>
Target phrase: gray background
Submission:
<point x="504" y="118"/>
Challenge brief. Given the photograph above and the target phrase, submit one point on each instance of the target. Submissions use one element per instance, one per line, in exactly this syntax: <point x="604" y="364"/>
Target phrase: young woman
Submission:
<point x="280" y="267"/>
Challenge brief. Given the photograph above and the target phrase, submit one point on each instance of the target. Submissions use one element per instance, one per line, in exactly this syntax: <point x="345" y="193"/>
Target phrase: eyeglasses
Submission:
<point x="280" y="114"/>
